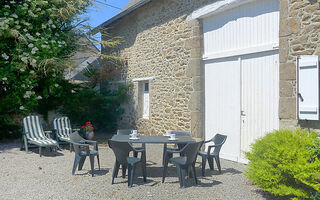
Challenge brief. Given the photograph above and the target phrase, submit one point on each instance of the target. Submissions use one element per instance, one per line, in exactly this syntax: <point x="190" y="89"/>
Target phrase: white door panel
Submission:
<point x="259" y="85"/>
<point x="248" y="81"/>
<point x="222" y="104"/>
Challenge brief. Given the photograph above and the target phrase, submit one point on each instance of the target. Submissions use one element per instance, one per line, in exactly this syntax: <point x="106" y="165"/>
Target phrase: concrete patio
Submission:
<point x="28" y="176"/>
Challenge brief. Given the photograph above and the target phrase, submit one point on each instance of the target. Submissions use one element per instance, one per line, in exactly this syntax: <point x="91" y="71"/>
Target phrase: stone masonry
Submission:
<point x="299" y="35"/>
<point x="159" y="42"/>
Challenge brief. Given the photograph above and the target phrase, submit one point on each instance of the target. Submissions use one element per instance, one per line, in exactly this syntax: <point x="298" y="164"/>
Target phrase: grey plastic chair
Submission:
<point x="124" y="131"/>
<point x="33" y="133"/>
<point x="176" y="146"/>
<point x="185" y="163"/>
<point x="128" y="132"/>
<point x="82" y="150"/>
<point x="121" y="151"/>
<point x="218" y="141"/>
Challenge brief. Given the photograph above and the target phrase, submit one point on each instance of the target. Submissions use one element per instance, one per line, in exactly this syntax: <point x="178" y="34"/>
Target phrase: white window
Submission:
<point x="146" y="101"/>
<point x="143" y="96"/>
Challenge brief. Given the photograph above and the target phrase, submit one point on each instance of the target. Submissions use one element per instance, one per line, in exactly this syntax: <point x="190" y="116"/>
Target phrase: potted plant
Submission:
<point x="88" y="130"/>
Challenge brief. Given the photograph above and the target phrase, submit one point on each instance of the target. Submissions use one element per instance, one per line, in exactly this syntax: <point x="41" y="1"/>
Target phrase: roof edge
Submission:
<point x="118" y="16"/>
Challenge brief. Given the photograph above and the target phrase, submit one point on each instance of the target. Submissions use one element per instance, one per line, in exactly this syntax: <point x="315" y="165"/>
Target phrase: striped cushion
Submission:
<point x="46" y="142"/>
<point x="34" y="132"/>
<point x="63" y="127"/>
<point x="65" y="139"/>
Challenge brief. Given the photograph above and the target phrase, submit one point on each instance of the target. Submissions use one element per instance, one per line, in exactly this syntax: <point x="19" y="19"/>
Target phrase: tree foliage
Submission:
<point x="37" y="39"/>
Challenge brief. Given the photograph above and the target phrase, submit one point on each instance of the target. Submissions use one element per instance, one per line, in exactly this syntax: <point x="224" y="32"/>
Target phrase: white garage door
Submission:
<point x="241" y="61"/>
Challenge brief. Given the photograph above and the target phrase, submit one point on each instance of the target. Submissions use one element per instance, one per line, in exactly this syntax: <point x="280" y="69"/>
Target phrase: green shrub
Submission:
<point x="285" y="163"/>
<point x="102" y="109"/>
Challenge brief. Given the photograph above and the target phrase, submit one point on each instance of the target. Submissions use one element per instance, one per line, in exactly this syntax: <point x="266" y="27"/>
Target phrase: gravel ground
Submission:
<point x="28" y="176"/>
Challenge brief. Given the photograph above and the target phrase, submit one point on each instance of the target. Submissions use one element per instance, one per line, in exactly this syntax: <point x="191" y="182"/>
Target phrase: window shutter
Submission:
<point x="308" y="87"/>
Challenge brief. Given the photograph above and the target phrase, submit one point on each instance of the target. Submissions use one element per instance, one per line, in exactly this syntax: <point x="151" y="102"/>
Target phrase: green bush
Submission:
<point x="285" y="163"/>
<point x="102" y="109"/>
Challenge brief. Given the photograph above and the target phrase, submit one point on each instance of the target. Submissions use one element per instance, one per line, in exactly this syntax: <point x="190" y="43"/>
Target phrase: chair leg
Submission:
<point x="179" y="172"/>
<point x="190" y="172"/>
<point x="132" y="169"/>
<point x="70" y="147"/>
<point x="204" y="159"/>
<point x="217" y="158"/>
<point x="40" y="151"/>
<point x="92" y="164"/>
<point x="124" y="169"/>
<point x="75" y="164"/>
<point x="115" y="171"/>
<point x="26" y="146"/>
<point x="22" y="144"/>
<point x="129" y="174"/>
<point x="210" y="161"/>
<point x="98" y="161"/>
<point x="81" y="162"/>
<point x="183" y="176"/>
<point x="194" y="173"/>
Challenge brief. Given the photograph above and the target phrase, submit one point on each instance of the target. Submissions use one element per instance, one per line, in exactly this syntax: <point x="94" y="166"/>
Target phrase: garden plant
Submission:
<point x="37" y="40"/>
<point x="286" y="163"/>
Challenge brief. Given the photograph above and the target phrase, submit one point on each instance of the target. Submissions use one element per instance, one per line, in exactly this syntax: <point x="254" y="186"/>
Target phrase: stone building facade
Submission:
<point x="158" y="42"/>
<point x="299" y="35"/>
<point x="162" y="46"/>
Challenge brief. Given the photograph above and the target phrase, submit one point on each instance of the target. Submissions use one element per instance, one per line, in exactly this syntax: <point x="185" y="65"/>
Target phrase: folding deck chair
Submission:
<point x="33" y="133"/>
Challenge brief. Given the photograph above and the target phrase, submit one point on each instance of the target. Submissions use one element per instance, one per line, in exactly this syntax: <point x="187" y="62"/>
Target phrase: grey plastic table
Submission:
<point x="154" y="140"/>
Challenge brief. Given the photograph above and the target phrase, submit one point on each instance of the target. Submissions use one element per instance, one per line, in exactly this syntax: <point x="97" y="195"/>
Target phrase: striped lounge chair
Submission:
<point x="62" y="130"/>
<point x="32" y="133"/>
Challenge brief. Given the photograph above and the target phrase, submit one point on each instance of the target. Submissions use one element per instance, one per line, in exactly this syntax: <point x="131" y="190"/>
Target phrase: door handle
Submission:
<point x="242" y="113"/>
<point x="300" y="97"/>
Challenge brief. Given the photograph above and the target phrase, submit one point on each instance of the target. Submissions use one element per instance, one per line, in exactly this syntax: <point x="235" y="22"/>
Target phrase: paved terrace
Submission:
<point x="28" y="176"/>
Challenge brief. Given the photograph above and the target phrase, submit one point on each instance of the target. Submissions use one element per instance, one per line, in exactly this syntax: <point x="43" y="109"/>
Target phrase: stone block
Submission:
<point x="288" y="71"/>
<point x="290" y="124"/>
<point x="296" y="6"/>
<point x="284" y="27"/>
<point x="311" y="7"/>
<point x="193" y="23"/>
<point x="286" y="89"/>
<point x="194" y="42"/>
<point x="196" y="53"/>
<point x="298" y="47"/>
<point x="195" y="101"/>
<point x="197" y="83"/>
<point x="287" y="108"/>
<point x="283" y="49"/>
<point x="194" y="67"/>
<point x="299" y="40"/>
<point x="294" y="24"/>
<point x="197" y="119"/>
<point x="284" y="8"/>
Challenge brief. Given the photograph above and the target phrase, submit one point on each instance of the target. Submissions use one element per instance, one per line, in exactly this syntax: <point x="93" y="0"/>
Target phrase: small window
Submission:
<point x="146" y="101"/>
<point x="143" y="107"/>
<point x="146" y="87"/>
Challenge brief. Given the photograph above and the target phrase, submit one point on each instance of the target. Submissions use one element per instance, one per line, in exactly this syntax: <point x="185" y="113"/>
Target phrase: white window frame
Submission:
<point x="145" y="99"/>
<point x="142" y="92"/>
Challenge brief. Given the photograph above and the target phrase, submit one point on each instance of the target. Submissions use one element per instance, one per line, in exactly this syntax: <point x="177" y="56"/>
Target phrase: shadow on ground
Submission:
<point x="97" y="172"/>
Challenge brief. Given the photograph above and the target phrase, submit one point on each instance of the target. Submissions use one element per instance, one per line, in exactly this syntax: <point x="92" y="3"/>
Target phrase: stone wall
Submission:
<point x="159" y="42"/>
<point x="299" y="35"/>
